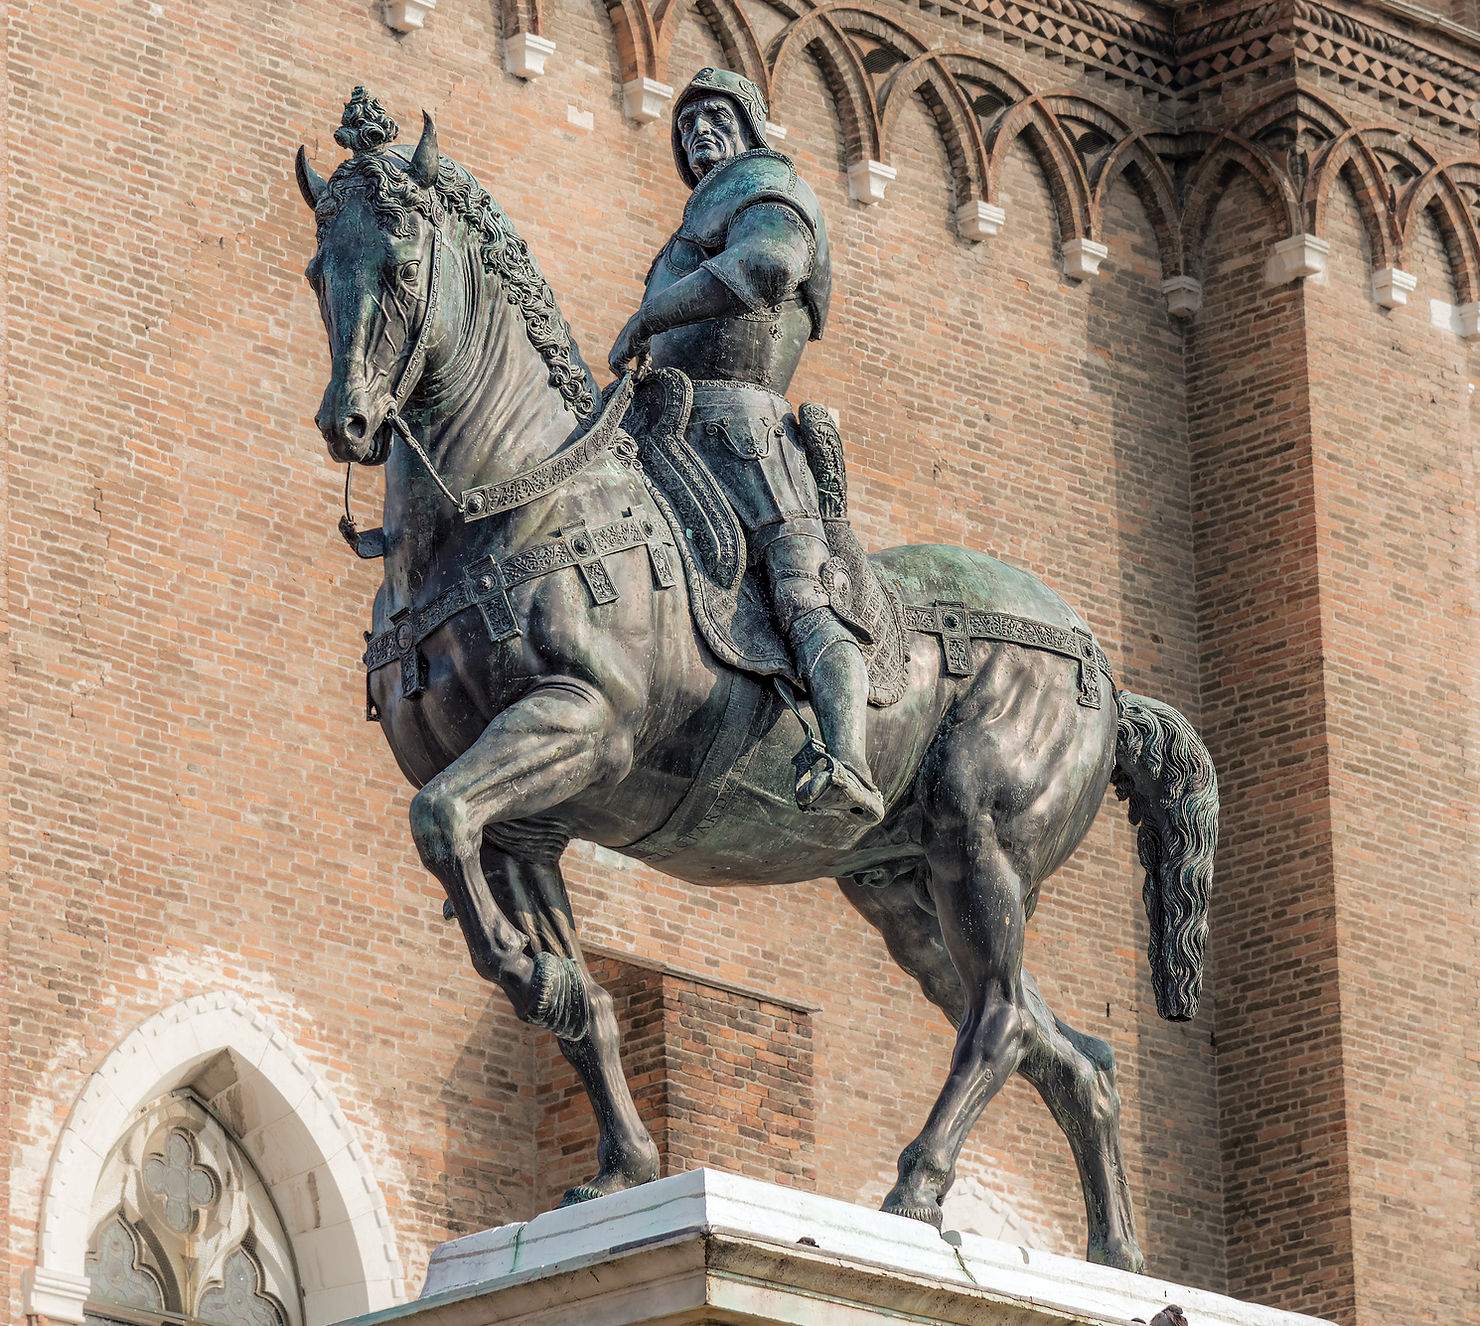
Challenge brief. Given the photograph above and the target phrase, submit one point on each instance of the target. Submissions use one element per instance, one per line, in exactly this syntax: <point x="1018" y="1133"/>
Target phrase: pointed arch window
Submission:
<point x="184" y="1230"/>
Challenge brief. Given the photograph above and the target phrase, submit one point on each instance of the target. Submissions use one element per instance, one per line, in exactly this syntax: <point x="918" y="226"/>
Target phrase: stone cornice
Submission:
<point x="1390" y="49"/>
<point x="1353" y="46"/>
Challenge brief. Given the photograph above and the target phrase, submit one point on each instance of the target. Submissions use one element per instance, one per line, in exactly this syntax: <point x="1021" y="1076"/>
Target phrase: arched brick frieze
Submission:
<point x="971" y="70"/>
<point x="1350" y="158"/>
<point x="731" y="29"/>
<point x="869" y="25"/>
<point x="1035" y="123"/>
<point x="1134" y="159"/>
<point x="818" y="34"/>
<point x="1441" y="192"/>
<point x="1221" y="156"/>
<point x="636" y="38"/>
<point x="954" y="120"/>
<point x="1292" y="111"/>
<point x="1317" y="146"/>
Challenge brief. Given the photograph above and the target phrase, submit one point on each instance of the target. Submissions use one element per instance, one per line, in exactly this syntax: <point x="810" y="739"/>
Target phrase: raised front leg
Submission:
<point x="558" y="740"/>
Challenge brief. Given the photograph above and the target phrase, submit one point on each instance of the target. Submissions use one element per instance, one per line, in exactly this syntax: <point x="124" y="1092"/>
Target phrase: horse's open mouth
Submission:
<point x="380" y="445"/>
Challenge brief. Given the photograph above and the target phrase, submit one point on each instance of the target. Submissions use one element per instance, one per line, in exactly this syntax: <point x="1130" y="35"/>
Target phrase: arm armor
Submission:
<point x="769" y="251"/>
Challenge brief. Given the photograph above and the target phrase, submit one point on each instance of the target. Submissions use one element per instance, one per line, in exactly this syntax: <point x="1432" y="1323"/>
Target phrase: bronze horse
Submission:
<point x="575" y="700"/>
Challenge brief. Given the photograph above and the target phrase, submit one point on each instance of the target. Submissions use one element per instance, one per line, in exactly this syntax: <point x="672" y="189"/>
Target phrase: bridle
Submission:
<point x="370" y="544"/>
<point x="484" y="500"/>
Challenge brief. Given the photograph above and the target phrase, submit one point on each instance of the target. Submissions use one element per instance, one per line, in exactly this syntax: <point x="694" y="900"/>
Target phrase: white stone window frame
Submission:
<point x="291" y="1126"/>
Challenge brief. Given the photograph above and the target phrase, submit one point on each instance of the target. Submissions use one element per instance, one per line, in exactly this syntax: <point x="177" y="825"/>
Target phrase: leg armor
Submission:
<point x="829" y="660"/>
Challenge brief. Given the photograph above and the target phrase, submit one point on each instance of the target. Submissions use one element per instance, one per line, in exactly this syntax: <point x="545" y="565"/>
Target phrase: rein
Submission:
<point x="492" y="499"/>
<point x="371" y="543"/>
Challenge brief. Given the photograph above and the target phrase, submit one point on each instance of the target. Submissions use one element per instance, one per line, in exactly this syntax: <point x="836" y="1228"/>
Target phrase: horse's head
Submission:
<point x="376" y="274"/>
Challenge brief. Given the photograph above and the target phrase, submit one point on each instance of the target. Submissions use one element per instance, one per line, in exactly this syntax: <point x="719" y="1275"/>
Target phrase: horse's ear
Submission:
<point x="424" y="163"/>
<point x="310" y="183"/>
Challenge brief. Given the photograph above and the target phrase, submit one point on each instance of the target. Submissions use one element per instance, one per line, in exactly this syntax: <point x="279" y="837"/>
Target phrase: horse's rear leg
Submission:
<point x="978" y="896"/>
<point x="1075" y="1075"/>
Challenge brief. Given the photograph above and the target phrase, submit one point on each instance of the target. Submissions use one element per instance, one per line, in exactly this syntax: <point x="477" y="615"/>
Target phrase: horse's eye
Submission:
<point x="410" y="271"/>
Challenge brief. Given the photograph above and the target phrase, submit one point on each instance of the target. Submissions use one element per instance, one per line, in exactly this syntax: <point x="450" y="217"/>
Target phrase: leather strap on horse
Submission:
<point x="957" y="626"/>
<point x="370" y="544"/>
<point x="487" y="499"/>
<point x="485" y="584"/>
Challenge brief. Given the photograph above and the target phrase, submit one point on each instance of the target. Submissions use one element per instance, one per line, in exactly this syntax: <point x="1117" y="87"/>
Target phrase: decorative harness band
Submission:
<point x="485" y="584"/>
<point x="490" y="499"/>
<point x="957" y="626"/>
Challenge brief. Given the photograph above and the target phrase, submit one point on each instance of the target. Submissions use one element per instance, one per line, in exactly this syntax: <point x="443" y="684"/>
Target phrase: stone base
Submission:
<point x="708" y="1248"/>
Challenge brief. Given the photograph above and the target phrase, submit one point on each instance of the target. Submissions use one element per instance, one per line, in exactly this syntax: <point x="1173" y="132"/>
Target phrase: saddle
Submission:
<point x="730" y="610"/>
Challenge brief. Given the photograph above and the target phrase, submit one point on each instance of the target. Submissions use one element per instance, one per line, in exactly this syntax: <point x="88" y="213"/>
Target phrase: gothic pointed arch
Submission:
<point x="1222" y="156"/>
<point x="1032" y="121"/>
<point x="1439" y="192"/>
<point x="817" y="34"/>
<point x="289" y="1122"/>
<point x="1134" y="159"/>
<point x="866" y="24"/>
<point x="1297" y="107"/>
<point x="636" y="38"/>
<point x="954" y="120"/>
<point x="1349" y="158"/>
<point x="731" y="29"/>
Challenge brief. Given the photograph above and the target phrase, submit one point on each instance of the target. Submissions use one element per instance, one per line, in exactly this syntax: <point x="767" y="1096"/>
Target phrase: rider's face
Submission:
<point x="710" y="132"/>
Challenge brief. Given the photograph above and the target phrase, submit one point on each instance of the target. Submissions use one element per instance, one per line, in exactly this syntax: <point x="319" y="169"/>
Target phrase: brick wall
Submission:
<point x="720" y="1077"/>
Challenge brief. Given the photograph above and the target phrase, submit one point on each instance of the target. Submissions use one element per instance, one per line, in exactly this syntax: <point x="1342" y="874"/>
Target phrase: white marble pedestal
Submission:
<point x="711" y="1249"/>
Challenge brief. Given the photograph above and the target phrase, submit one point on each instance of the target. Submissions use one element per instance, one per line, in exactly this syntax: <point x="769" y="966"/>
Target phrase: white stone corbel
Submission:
<point x="54" y="1295"/>
<point x="645" y="99"/>
<point x="1391" y="286"/>
<point x="1184" y="296"/>
<point x="867" y="180"/>
<point x="1082" y="258"/>
<point x="775" y="134"/>
<point x="978" y="220"/>
<point x="1296" y="258"/>
<point x="1463" y="320"/>
<point x="525" y="54"/>
<point x="407" y="15"/>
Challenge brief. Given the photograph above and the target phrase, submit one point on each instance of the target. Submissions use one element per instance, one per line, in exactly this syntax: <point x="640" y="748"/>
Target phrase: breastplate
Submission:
<point x="763" y="348"/>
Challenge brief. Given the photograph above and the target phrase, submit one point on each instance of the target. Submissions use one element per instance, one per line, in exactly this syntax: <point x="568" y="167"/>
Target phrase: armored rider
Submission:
<point x="732" y="300"/>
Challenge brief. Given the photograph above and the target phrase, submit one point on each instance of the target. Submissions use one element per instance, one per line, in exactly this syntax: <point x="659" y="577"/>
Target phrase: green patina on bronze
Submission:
<point x="631" y="642"/>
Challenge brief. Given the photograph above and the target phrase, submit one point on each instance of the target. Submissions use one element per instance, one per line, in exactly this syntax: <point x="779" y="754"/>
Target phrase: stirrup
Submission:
<point x="829" y="784"/>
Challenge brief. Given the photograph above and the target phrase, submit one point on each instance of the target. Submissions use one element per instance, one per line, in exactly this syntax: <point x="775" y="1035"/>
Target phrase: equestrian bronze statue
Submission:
<point x="616" y="615"/>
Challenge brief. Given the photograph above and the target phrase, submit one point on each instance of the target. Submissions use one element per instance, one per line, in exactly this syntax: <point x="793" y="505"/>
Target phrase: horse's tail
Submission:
<point x="1164" y="771"/>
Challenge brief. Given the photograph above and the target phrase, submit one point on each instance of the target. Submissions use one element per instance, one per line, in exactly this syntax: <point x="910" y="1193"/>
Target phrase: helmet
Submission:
<point x="738" y="89"/>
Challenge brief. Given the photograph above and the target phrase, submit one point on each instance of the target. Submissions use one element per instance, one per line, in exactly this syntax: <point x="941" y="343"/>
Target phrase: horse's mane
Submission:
<point x="382" y="173"/>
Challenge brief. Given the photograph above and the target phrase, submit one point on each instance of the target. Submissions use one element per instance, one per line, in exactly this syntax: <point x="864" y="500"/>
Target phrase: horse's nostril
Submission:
<point x="355" y="426"/>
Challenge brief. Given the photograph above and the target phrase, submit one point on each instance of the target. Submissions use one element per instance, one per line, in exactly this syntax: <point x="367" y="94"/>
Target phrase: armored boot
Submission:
<point x="836" y="775"/>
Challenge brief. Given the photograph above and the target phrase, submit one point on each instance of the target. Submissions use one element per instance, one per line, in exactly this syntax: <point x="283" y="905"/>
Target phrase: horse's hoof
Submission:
<point x="582" y="1192"/>
<point x="1122" y="1256"/>
<point x="928" y="1215"/>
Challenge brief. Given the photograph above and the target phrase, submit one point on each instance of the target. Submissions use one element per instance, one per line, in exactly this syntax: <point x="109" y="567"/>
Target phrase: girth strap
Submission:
<point x="957" y="626"/>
